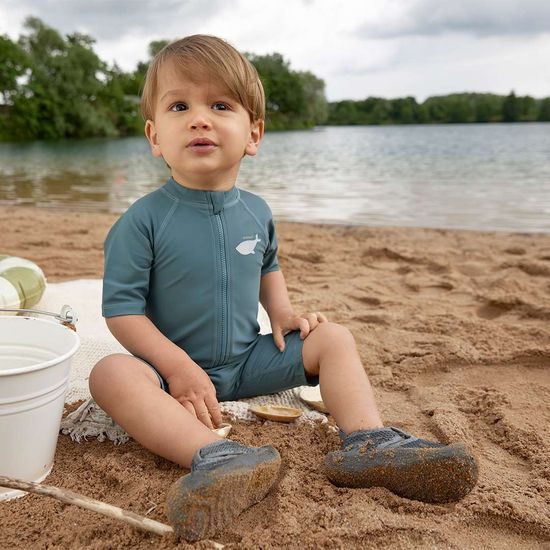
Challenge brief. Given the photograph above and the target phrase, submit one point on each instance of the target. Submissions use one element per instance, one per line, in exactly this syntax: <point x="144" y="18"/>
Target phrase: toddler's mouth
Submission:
<point x="201" y="145"/>
<point x="201" y="142"/>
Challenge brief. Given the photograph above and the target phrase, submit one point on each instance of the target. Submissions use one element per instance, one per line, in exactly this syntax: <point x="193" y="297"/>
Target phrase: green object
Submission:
<point x="22" y="282"/>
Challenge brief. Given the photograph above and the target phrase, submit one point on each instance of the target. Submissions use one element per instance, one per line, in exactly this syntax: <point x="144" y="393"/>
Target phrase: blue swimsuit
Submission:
<point x="192" y="261"/>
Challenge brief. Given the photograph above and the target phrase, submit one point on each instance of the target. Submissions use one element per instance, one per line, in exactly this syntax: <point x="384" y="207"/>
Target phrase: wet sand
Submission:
<point x="453" y="330"/>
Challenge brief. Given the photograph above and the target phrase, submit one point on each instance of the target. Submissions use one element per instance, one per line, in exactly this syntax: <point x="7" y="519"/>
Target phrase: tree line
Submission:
<point x="54" y="86"/>
<point x="453" y="108"/>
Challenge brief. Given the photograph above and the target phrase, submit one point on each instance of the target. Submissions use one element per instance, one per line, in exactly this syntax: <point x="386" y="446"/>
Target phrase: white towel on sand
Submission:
<point x="84" y="296"/>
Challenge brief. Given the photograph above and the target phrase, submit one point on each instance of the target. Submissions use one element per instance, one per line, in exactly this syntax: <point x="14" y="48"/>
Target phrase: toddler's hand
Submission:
<point x="192" y="387"/>
<point x="304" y="323"/>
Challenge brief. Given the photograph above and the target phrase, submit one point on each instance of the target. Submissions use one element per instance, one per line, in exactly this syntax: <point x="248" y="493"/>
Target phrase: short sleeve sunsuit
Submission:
<point x="191" y="261"/>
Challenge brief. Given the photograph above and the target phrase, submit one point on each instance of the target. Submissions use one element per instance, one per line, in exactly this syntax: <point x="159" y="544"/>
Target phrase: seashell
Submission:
<point x="275" y="412"/>
<point x="223" y="430"/>
<point x="247" y="247"/>
<point x="312" y="396"/>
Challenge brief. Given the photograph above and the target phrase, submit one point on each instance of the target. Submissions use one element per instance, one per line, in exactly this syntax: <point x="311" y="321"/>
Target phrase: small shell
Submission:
<point x="312" y="396"/>
<point x="276" y="413"/>
<point x="223" y="430"/>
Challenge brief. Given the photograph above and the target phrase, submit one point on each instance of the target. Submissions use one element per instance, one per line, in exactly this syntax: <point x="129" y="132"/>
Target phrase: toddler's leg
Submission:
<point x="372" y="455"/>
<point x="330" y="352"/>
<point x="226" y="477"/>
<point x="128" y="390"/>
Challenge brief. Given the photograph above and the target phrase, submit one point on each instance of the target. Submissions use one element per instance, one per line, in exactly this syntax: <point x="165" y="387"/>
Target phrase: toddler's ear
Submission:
<point x="152" y="137"/>
<point x="256" y="134"/>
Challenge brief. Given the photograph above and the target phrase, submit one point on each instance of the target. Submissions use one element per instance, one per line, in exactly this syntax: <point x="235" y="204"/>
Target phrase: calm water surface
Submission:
<point x="475" y="176"/>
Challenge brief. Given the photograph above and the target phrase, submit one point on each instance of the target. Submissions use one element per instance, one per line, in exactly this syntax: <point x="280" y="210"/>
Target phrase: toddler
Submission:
<point x="185" y="267"/>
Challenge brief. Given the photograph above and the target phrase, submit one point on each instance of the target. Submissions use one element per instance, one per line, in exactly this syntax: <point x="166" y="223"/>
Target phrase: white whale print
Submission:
<point x="247" y="247"/>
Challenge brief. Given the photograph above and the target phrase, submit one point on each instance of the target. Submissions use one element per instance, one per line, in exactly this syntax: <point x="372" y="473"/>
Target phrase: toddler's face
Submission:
<point x="201" y="131"/>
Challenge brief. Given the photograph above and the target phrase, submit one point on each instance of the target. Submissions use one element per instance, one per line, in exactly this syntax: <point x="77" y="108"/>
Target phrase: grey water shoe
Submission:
<point x="226" y="478"/>
<point x="406" y="465"/>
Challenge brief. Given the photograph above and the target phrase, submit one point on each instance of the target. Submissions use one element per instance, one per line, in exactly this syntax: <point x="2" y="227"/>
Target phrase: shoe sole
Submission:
<point x="434" y="475"/>
<point x="202" y="503"/>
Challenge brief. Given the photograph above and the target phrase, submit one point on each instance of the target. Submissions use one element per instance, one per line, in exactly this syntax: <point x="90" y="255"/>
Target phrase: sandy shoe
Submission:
<point x="226" y="478"/>
<point x="409" y="467"/>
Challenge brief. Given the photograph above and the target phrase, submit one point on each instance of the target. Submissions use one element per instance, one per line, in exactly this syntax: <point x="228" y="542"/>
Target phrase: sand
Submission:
<point x="453" y="329"/>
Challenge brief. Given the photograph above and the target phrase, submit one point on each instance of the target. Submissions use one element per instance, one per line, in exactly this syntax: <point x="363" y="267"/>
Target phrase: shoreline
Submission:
<point x="66" y="209"/>
<point x="453" y="329"/>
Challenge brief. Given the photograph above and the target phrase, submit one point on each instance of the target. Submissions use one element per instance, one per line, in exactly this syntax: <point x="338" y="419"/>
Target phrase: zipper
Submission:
<point x="224" y="291"/>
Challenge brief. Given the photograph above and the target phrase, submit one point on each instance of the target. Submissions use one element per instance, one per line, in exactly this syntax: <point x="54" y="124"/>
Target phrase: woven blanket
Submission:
<point x="88" y="420"/>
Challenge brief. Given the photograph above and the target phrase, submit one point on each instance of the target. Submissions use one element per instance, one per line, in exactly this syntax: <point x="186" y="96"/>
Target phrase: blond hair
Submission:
<point x="212" y="57"/>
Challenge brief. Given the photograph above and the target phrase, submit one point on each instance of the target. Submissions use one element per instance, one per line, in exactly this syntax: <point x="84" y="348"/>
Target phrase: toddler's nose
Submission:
<point x="199" y="120"/>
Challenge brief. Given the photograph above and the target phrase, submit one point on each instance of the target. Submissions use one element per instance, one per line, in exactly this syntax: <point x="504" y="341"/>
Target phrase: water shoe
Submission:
<point x="226" y="478"/>
<point x="409" y="467"/>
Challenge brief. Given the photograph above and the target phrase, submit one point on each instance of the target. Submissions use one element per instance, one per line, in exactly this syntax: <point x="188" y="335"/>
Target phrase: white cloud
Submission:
<point x="474" y="17"/>
<point x="112" y="19"/>
<point x="387" y="48"/>
<point x="457" y="64"/>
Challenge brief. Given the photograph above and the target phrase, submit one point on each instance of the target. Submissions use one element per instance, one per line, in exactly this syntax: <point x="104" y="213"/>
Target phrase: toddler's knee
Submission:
<point x="335" y="334"/>
<point x="102" y="372"/>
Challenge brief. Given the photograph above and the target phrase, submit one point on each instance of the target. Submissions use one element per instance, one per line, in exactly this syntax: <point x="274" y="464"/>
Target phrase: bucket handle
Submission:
<point x="67" y="317"/>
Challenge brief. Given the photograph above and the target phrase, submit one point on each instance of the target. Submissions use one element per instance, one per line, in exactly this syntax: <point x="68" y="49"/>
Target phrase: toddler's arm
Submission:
<point x="187" y="381"/>
<point x="274" y="297"/>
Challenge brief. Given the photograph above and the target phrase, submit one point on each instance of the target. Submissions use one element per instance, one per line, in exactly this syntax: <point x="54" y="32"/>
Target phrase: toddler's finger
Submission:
<point x="322" y="318"/>
<point x="203" y="415"/>
<point x="214" y="410"/>
<point x="279" y="339"/>
<point x="303" y="325"/>
<point x="312" y="320"/>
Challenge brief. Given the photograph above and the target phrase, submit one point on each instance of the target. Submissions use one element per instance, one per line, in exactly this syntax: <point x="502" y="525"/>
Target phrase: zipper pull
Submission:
<point x="217" y="199"/>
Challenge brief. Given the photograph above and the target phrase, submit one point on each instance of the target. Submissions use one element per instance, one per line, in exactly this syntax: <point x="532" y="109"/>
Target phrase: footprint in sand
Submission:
<point x="368" y="300"/>
<point x="427" y="284"/>
<point x="515" y="251"/>
<point x="493" y="310"/>
<point x="311" y="257"/>
<point x="535" y="269"/>
<point x="385" y="254"/>
<point x="370" y="319"/>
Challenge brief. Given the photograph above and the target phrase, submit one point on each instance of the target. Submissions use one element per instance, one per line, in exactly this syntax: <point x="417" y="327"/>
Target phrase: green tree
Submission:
<point x="527" y="108"/>
<point x="377" y="110"/>
<point x="437" y="109"/>
<point x="316" y="108"/>
<point x="511" y="108"/>
<point x="121" y="108"/>
<point x="403" y="111"/>
<point x="458" y="109"/>
<point x="484" y="109"/>
<point x="60" y="97"/>
<point x="284" y="91"/>
<point x="343" y="112"/>
<point x="69" y="91"/>
<point x="544" y="110"/>
<point x="293" y="99"/>
<point x="14" y="65"/>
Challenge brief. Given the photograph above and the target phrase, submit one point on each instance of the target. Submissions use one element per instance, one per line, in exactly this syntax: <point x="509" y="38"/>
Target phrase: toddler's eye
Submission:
<point x="219" y="106"/>
<point x="177" y="107"/>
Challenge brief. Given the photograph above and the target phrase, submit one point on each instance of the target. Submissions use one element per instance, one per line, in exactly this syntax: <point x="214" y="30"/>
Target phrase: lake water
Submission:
<point x="471" y="176"/>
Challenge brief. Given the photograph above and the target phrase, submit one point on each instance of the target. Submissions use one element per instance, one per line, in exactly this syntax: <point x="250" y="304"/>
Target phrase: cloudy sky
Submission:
<point x="388" y="48"/>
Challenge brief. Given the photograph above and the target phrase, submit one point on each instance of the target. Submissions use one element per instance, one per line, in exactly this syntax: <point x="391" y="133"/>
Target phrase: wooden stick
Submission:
<point x="89" y="503"/>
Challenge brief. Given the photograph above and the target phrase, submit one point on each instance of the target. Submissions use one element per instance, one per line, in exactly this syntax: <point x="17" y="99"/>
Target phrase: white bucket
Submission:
<point x="35" y="360"/>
